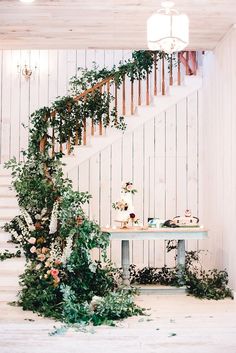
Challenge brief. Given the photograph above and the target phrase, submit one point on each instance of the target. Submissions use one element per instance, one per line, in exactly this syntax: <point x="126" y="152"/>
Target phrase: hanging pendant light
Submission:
<point x="167" y="29"/>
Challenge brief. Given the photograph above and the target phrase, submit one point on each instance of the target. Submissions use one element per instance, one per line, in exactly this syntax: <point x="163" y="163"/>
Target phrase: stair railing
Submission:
<point x="132" y="93"/>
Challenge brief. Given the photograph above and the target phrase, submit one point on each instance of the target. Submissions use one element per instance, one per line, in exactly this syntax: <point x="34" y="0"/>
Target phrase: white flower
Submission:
<point x="53" y="221"/>
<point x="28" y="219"/>
<point x="37" y="267"/>
<point x="68" y="249"/>
<point x="93" y="267"/>
<point x="33" y="249"/>
<point x="38" y="216"/>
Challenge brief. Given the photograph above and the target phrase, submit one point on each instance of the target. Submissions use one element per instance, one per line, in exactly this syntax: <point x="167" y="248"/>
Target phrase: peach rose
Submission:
<point x="41" y="257"/>
<point x="33" y="249"/>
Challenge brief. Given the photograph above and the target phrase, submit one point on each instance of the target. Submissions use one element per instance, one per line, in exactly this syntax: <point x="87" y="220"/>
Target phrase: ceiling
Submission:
<point x="118" y="24"/>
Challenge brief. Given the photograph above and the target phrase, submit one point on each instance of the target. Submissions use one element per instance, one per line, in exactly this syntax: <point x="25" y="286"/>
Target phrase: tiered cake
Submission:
<point x="124" y="207"/>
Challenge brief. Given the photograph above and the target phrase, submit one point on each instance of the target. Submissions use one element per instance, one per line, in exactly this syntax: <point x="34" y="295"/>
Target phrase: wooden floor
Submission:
<point x="177" y="324"/>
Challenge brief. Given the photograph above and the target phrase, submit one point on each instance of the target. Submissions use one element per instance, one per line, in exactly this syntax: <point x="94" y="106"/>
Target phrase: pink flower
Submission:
<point x="129" y="187"/>
<point x="44" y="250"/>
<point x="41" y="257"/>
<point x="32" y="240"/>
<point x="54" y="272"/>
<point x="57" y="262"/>
<point x="33" y="249"/>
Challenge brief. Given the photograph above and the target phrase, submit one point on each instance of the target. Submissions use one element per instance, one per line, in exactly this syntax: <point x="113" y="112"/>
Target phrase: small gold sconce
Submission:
<point x="26" y="71"/>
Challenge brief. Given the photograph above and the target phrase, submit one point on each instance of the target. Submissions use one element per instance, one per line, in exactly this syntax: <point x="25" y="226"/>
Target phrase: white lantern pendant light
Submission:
<point x="167" y="29"/>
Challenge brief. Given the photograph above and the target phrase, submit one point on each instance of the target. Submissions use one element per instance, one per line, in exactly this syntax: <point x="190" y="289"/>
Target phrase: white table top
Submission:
<point x="155" y="233"/>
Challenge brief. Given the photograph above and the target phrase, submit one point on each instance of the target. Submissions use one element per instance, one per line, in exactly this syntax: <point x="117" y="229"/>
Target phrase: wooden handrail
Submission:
<point x="91" y="89"/>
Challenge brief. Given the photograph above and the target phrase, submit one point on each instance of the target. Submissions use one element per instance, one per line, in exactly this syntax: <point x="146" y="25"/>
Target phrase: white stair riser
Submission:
<point x="8" y="246"/>
<point x="8" y="212"/>
<point x="9" y="295"/>
<point x="5" y="237"/>
<point x="4" y="171"/>
<point x="5" y="190"/>
<point x="5" y="180"/>
<point x="11" y="268"/>
<point x="8" y="202"/>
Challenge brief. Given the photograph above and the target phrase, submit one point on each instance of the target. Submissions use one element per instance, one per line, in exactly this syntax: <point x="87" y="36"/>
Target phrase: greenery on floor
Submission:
<point x="208" y="284"/>
<point x="9" y="255"/>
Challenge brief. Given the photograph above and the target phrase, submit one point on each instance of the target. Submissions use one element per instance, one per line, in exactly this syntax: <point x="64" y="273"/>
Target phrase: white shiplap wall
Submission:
<point x="161" y="158"/>
<point x="218" y="154"/>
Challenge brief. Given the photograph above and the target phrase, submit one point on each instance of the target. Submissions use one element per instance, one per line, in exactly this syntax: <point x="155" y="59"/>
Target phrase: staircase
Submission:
<point x="10" y="269"/>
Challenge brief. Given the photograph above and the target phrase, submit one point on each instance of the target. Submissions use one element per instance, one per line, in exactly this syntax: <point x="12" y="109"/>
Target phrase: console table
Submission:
<point x="179" y="234"/>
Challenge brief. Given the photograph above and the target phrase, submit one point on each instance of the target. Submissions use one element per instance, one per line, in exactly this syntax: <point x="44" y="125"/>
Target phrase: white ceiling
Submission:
<point x="119" y="24"/>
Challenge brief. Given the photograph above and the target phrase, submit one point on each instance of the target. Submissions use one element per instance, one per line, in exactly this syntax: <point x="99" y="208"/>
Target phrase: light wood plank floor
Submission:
<point x="177" y="324"/>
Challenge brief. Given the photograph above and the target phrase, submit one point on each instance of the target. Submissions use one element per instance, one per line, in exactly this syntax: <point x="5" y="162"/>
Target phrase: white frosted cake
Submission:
<point x="124" y="207"/>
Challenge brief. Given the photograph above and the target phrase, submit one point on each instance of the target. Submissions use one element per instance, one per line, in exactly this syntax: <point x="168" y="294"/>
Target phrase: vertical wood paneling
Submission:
<point x="15" y="104"/>
<point x="138" y="160"/>
<point x="160" y="181"/>
<point x="6" y="106"/>
<point x="170" y="171"/>
<point x="192" y="159"/>
<point x="52" y="75"/>
<point x="116" y="178"/>
<point x="24" y="106"/>
<point x="181" y="167"/>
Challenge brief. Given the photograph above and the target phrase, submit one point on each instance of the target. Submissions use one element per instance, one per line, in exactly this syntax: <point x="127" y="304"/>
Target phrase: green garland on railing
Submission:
<point x="68" y="116"/>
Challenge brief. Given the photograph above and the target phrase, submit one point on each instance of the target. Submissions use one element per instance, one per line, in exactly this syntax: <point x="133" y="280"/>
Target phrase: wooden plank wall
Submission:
<point x="161" y="159"/>
<point x="218" y="154"/>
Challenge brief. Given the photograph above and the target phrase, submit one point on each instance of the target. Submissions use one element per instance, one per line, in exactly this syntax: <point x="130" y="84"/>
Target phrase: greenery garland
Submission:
<point x="211" y="284"/>
<point x="66" y="117"/>
<point x="9" y="255"/>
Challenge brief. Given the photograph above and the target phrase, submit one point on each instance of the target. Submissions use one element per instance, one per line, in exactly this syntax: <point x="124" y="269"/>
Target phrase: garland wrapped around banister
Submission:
<point x="91" y="99"/>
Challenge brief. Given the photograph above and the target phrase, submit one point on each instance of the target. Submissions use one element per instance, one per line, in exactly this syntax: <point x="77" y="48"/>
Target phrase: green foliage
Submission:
<point x="211" y="284"/>
<point x="152" y="275"/>
<point x="9" y="255"/>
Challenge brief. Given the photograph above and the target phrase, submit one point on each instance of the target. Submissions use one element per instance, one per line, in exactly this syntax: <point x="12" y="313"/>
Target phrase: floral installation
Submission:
<point x="128" y="187"/>
<point x="121" y="205"/>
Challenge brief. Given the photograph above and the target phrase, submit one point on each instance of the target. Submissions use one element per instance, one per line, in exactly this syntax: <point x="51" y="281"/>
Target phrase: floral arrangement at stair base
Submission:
<point x="61" y="279"/>
<point x="124" y="207"/>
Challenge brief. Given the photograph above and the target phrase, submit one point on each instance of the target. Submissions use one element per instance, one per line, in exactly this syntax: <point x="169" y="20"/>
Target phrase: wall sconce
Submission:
<point x="26" y="71"/>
